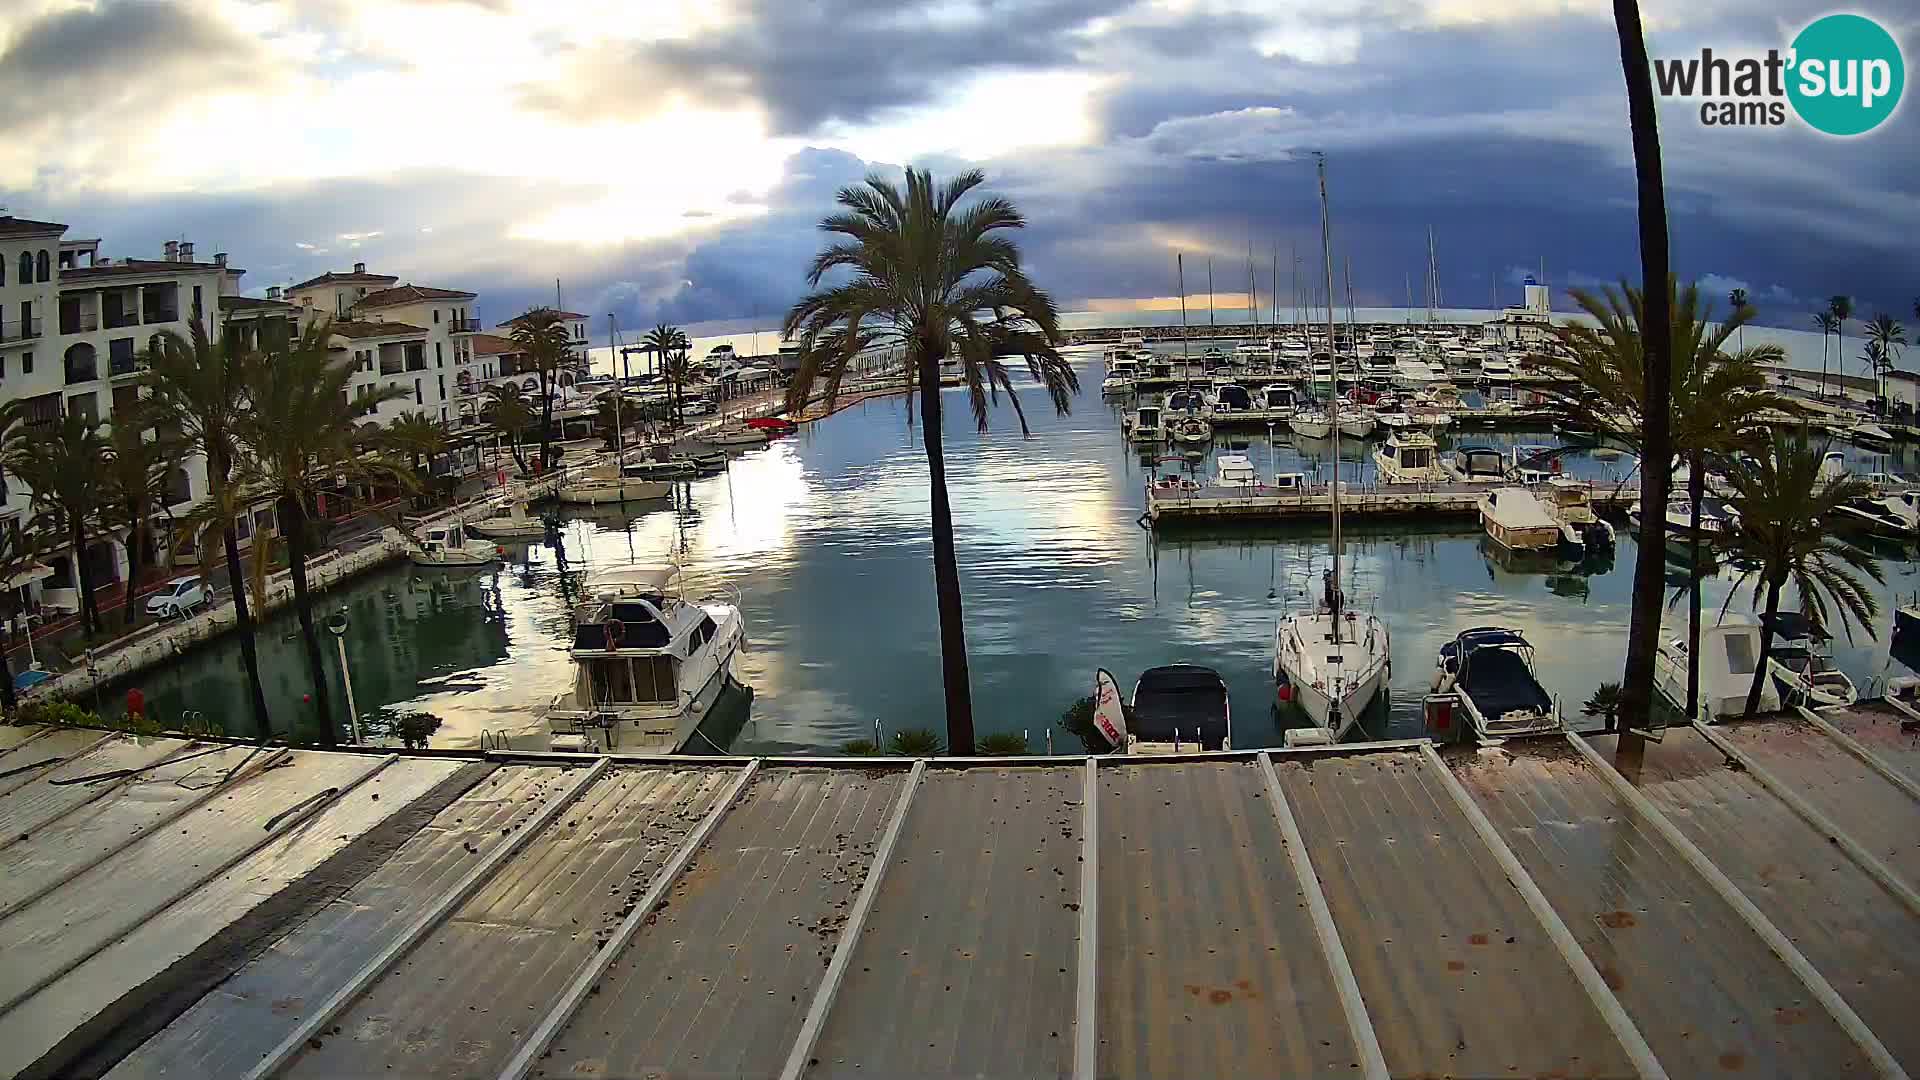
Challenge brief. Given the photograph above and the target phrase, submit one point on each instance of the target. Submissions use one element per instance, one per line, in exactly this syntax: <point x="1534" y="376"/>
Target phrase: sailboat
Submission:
<point x="1333" y="661"/>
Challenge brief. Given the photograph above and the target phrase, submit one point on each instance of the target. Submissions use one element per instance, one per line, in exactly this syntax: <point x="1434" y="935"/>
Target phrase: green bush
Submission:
<point x="860" y="748"/>
<point x="1003" y="744"/>
<point x="916" y="742"/>
<point x="1078" y="722"/>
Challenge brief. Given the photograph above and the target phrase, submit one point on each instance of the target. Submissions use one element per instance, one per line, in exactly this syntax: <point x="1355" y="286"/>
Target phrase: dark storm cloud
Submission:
<point x="91" y="61"/>
<point x="811" y="62"/>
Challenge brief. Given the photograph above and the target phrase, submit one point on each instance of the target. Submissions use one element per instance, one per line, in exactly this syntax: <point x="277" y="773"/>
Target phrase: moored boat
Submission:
<point x="1490" y="672"/>
<point x="1409" y="457"/>
<point x="1801" y="662"/>
<point x="604" y="484"/>
<point x="1179" y="708"/>
<point x="1729" y="656"/>
<point x="1190" y="431"/>
<point x="449" y="546"/>
<point x="1144" y="426"/>
<point x="1517" y="521"/>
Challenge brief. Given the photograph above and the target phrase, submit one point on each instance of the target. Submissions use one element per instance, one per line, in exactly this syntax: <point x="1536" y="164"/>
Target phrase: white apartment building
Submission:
<point x="29" y="274"/>
<point x="415" y="337"/>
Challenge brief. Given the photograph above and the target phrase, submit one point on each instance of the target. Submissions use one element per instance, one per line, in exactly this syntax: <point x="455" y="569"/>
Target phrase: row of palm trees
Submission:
<point x="1885" y="337"/>
<point x="273" y="420"/>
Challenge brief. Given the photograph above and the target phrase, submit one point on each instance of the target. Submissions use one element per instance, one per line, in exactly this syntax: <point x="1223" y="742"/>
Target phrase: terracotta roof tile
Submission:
<point x="331" y="278"/>
<point x="353" y="328"/>
<point x="17" y="226"/>
<point x="493" y="345"/>
<point x="409" y="294"/>
<point x="135" y="267"/>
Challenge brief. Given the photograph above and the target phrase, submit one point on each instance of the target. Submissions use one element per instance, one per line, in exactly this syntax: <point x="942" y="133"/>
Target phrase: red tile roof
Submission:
<point x="565" y="316"/>
<point x="410" y="294"/>
<point x="17" y="226"/>
<point x="493" y="345"/>
<point x="352" y="328"/>
<point x="134" y="267"/>
<point x="331" y="278"/>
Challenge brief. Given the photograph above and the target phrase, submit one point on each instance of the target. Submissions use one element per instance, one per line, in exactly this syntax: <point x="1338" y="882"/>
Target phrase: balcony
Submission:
<point x="19" y="330"/>
<point x="164" y="315"/>
<point x="79" y="322"/>
<point x="119" y="366"/>
<point x="81" y="371"/>
<point x="119" y="319"/>
<point x="390" y="367"/>
<point x="416" y="363"/>
<point x="463" y="326"/>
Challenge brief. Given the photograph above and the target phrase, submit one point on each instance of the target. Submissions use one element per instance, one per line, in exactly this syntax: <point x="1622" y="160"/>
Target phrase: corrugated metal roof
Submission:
<point x="1543" y="908"/>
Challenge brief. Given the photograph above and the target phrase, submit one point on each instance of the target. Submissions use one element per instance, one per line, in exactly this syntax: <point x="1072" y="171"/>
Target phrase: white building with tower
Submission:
<point x="1528" y="325"/>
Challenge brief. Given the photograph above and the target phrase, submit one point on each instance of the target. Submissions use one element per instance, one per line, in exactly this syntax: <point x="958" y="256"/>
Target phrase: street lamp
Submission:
<point x="337" y="624"/>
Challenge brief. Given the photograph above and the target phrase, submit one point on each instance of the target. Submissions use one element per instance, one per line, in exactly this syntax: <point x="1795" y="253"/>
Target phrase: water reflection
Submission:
<point x="824" y="535"/>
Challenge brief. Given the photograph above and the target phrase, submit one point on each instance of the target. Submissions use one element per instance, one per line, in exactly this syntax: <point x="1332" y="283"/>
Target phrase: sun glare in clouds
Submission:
<point x="993" y="114"/>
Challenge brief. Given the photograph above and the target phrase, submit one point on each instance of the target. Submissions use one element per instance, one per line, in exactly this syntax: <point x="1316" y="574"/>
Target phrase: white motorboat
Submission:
<point x="1179" y="709"/>
<point x="514" y="524"/>
<point x="1409" y="457"/>
<point x="1144" y="425"/>
<point x="1189" y="401"/>
<point x="1231" y="398"/>
<point x="735" y="436"/>
<point x="1311" y="423"/>
<point x="1729" y="656"/>
<point x="1333" y="660"/>
<point x="1517" y="521"/>
<point x="1582" y="530"/>
<point x="1133" y="339"/>
<point x="1490" y="672"/>
<point x="1247" y="354"/>
<point x="1357" y="424"/>
<point x="1278" y="397"/>
<point x="648" y="664"/>
<point x="1475" y="465"/>
<point x="1801" y="662"/>
<point x="449" y="545"/>
<point x="1235" y="471"/>
<point x="1116" y="385"/>
<point x="601" y="485"/>
<point x="1871" y="435"/>
<point x="671" y="469"/>
<point x="1190" y="431"/>
<point x="1716" y="517"/>
<point x="1894" y="516"/>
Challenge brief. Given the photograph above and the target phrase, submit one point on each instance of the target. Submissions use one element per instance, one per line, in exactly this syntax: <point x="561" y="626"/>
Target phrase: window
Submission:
<point x="26" y="363"/>
<point x="84" y="406"/>
<point x="243" y="527"/>
<point x="196" y="301"/>
<point x="26" y="267"/>
<point x="419" y="398"/>
<point x="1741" y="654"/>
<point x="46" y="266"/>
<point x="436" y="316"/>
<point x="704" y="633"/>
<point x="3" y="365"/>
<point x="3" y="271"/>
<point x="439" y="359"/>
<point x="443" y="385"/>
<point x="263" y="520"/>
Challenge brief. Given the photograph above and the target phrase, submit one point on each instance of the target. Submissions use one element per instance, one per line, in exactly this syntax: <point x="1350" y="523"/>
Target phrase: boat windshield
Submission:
<point x="1741" y="654"/>
<point x="637" y="680"/>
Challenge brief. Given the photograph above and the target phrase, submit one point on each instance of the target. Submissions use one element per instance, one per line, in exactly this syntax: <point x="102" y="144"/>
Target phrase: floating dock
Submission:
<point x="1168" y="504"/>
<point x="1734" y="900"/>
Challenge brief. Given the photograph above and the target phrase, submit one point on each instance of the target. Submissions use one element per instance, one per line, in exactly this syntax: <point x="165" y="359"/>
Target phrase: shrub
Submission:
<point x="1003" y="744"/>
<point x="860" y="748"/>
<point x="916" y="742"/>
<point x="1078" y="722"/>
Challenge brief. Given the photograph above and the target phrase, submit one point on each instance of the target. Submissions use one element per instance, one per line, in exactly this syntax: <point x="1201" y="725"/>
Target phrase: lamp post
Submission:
<point x="337" y="624"/>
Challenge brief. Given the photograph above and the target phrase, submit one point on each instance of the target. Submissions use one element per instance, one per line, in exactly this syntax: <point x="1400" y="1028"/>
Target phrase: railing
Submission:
<point x="463" y="326"/>
<point x="79" y="373"/>
<point x="172" y="315"/>
<point x="79" y="323"/>
<point x="19" y="330"/>
<point x="390" y="367"/>
<point x="122" y="319"/>
<point x="123" y="366"/>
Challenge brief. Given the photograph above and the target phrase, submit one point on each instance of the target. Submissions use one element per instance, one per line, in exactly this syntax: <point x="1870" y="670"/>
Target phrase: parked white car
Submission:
<point x="178" y="597"/>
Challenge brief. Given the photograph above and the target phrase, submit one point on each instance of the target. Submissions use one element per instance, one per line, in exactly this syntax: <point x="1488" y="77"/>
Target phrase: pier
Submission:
<point x="1174" y="503"/>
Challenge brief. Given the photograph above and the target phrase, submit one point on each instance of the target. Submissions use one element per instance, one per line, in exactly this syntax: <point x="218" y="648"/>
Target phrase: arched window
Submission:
<point x="26" y="267"/>
<point x="3" y="271"/>
<point x="46" y="267"/>
<point x="81" y="363"/>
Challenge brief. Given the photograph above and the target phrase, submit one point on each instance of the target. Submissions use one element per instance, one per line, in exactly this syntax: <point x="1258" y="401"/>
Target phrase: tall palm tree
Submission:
<point x="1737" y="299"/>
<point x="665" y="340"/>
<point x="1890" y="338"/>
<point x="507" y="410"/>
<point x="1715" y="402"/>
<point x="1781" y="535"/>
<point x="679" y="372"/>
<point x="419" y="436"/>
<point x="1841" y="308"/>
<point x="137" y="472"/>
<point x="301" y="438"/>
<point x="543" y="339"/>
<point x="1636" y="687"/>
<point x="940" y="280"/>
<point x="196" y="389"/>
<point x="1828" y="325"/>
<point x="19" y="553"/>
<point x="65" y="467"/>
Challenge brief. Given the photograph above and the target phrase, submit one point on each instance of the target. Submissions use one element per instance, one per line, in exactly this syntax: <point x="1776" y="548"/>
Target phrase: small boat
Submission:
<point x="1409" y="457"/>
<point x="1357" y="423"/>
<point x="671" y="469"/>
<point x="1475" y="465"/>
<point x="708" y="462"/>
<point x="1179" y="708"/>
<point x="1490" y="672"/>
<point x="1133" y="339"/>
<point x="1533" y="464"/>
<point x="604" y="484"/>
<point x="1116" y="385"/>
<point x="1518" y="521"/>
<point x="1144" y="425"/>
<point x="773" y="425"/>
<point x="735" y="436"/>
<point x="448" y="545"/>
<point x="515" y="524"/>
<point x="1278" y="397"/>
<point x="1188" y="401"/>
<point x="1311" y="423"/>
<point x="1894" y="516"/>
<point x="1231" y="397"/>
<point x="1871" y="435"/>
<point x="1235" y="471"/>
<point x="1190" y="431"/>
<point x="1729" y="656"/>
<point x="1801" y="661"/>
<point x="1716" y="517"/>
<point x="648" y="664"/>
<point x="1582" y="529"/>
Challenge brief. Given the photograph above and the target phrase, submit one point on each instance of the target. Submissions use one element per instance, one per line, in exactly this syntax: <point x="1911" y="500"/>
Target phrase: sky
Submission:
<point x="670" y="161"/>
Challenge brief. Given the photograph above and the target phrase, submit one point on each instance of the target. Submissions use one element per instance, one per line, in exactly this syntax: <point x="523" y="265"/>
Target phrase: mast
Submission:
<point x="1180" y="268"/>
<point x="1209" y="290"/>
<point x="1353" y="342"/>
<point x="1253" y="290"/>
<point x="1333" y="413"/>
<point x="613" y="343"/>
<point x="1299" y="319"/>
<point x="1407" y="279"/>
<point x="1273" y="298"/>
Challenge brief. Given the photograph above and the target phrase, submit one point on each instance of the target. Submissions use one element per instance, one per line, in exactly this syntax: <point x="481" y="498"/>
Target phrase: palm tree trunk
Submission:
<point x="136" y="537"/>
<point x="1766" y="650"/>
<point x="243" y="620"/>
<point x="293" y="522"/>
<point x="89" y="611"/>
<point x="946" y="571"/>
<point x="1643" y="634"/>
<point x="1823" y="364"/>
<point x="9" y="703"/>
<point x="1696" y="491"/>
<point x="546" y="420"/>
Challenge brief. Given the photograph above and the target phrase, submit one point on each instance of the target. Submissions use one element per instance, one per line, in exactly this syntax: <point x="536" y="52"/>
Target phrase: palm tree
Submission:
<point x="418" y="436"/>
<point x="301" y="438"/>
<point x="665" y="340"/>
<point x="507" y="410"/>
<point x="543" y="339"/>
<point x="1890" y="338"/>
<point x="1737" y="299"/>
<point x="1828" y="326"/>
<point x="939" y="280"/>
<point x="196" y="389"/>
<point x="65" y="467"/>
<point x="679" y="372"/>
<point x="1781" y="535"/>
<point x="1636" y="695"/>
<point x="1715" y="401"/>
<point x="19" y="553"/>
<point x="137" y="472"/>
<point x="1841" y="308"/>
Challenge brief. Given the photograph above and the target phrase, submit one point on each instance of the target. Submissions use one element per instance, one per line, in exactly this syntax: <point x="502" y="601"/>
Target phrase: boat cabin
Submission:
<point x="1478" y="463"/>
<point x="1235" y="470"/>
<point x="1147" y="418"/>
<point x="1189" y="401"/>
<point x="1233" y="397"/>
<point x="1291" y="483"/>
<point x="1181" y="707"/>
<point x="630" y="638"/>
<point x="1279" y="396"/>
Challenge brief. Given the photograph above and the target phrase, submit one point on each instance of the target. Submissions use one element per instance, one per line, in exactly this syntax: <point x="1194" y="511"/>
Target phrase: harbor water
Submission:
<point x="824" y="535"/>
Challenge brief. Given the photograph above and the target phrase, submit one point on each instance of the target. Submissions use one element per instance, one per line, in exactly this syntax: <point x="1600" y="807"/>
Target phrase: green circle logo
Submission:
<point x="1846" y="74"/>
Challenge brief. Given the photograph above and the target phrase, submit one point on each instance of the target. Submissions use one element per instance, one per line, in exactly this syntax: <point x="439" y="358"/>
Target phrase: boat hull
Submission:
<point x="604" y="492"/>
<point x="1312" y="429"/>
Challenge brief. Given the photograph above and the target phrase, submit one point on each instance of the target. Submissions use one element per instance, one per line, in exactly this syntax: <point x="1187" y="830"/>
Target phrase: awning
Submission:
<point x="36" y="572"/>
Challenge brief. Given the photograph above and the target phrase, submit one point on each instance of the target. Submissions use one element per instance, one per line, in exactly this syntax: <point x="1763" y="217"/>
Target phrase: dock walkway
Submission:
<point x="1169" y="503"/>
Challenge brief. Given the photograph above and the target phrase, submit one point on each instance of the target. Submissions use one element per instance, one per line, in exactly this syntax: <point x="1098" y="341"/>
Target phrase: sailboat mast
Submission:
<point x="1273" y="298"/>
<point x="1180" y="268"/>
<point x="1253" y="291"/>
<point x="1353" y="341"/>
<point x="613" y="345"/>
<point x="1333" y="414"/>
<point x="1209" y="290"/>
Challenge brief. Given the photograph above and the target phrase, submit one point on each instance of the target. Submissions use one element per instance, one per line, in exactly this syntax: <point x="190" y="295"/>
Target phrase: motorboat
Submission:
<point x="1144" y="425"/>
<point x="1133" y="339"/>
<point x="1333" y="662"/>
<point x="1231" y="398"/>
<point x="1188" y="401"/>
<point x="514" y="524"/>
<point x="1278" y="397"/>
<point x="1177" y="709"/>
<point x="648" y="664"/>
<point x="1311" y="423"/>
<point x="774" y="426"/>
<point x="671" y="469"/>
<point x="1717" y="517"/>
<point x="1413" y="373"/>
<point x="1116" y="384"/>
<point x="1475" y="465"/>
<point x="1871" y="435"/>
<point x="1533" y="464"/>
<point x="735" y="436"/>
<point x="1409" y="457"/>
<point x="1213" y="359"/>
<point x="1235" y="471"/>
<point x="600" y="485"/>
<point x="1357" y="423"/>
<point x="1729" y="656"/>
<point x="1190" y="431"/>
<point x="1582" y="529"/>
<point x="1250" y="353"/>
<point x="708" y="462"/>
<point x="449" y="545"/>
<point x="1894" y="516"/>
<point x="1490" y="672"/>
<point x="1801" y="662"/>
<point x="1518" y="521"/>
